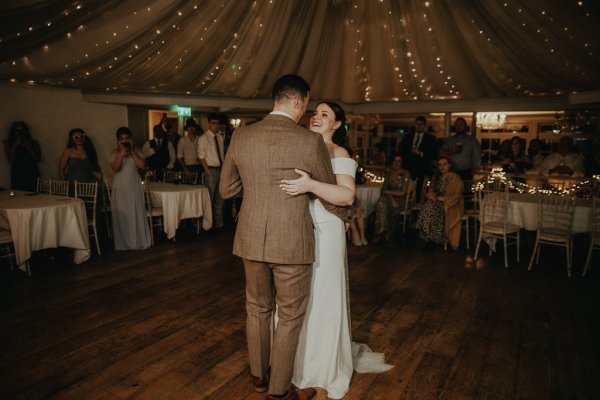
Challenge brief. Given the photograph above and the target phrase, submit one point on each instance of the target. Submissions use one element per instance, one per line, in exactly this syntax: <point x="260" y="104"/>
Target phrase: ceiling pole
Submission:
<point x="474" y="125"/>
<point x="447" y="116"/>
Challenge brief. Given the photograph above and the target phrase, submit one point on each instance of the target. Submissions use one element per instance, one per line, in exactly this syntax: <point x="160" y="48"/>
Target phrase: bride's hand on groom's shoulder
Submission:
<point x="297" y="186"/>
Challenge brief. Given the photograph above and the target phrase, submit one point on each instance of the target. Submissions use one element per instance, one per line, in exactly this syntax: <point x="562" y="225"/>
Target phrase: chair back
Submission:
<point x="147" y="195"/>
<point x="469" y="197"/>
<point x="43" y="185"/>
<point x="493" y="207"/>
<point x="190" y="178"/>
<point x="555" y="213"/>
<point x="108" y="186"/>
<point x="88" y="192"/>
<point x="58" y="187"/>
<point x="411" y="196"/>
<point x="424" y="189"/>
<point x="172" y="176"/>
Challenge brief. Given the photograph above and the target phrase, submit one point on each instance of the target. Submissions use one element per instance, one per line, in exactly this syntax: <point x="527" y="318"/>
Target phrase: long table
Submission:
<point x="42" y="221"/>
<point x="523" y="212"/>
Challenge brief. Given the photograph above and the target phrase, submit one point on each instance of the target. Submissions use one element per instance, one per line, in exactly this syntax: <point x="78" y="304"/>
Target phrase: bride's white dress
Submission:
<point x="326" y="354"/>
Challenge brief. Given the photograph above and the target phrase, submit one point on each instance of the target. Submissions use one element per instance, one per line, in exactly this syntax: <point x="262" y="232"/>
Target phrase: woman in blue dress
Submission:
<point x="79" y="161"/>
<point x="127" y="197"/>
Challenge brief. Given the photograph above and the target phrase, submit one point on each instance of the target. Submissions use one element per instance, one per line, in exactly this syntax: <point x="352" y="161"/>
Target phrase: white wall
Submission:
<point x="50" y="113"/>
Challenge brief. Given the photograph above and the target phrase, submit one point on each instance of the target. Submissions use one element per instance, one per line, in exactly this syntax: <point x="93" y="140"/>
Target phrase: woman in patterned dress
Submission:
<point x="391" y="202"/>
<point x="440" y="218"/>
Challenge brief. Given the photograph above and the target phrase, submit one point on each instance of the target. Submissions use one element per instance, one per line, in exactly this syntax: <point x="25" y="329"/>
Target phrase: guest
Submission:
<point x="211" y="154"/>
<point x="127" y="198"/>
<point x="79" y="161"/>
<point x="173" y="137"/>
<point x="226" y="130"/>
<point x="440" y="218"/>
<point x="23" y="153"/>
<point x="503" y="152"/>
<point x="464" y="150"/>
<point x="159" y="152"/>
<point x="516" y="161"/>
<point x="564" y="161"/>
<point x="378" y="157"/>
<point x="392" y="200"/>
<point x="418" y="151"/>
<point x="187" y="149"/>
<point x="534" y="152"/>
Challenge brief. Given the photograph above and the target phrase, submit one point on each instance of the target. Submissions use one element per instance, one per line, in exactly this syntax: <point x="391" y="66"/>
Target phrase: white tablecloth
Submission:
<point x="368" y="196"/>
<point x="180" y="202"/>
<point x="523" y="211"/>
<point x="42" y="221"/>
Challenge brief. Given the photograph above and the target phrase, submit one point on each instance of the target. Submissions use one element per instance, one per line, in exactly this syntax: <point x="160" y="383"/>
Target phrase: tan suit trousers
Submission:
<point x="292" y="286"/>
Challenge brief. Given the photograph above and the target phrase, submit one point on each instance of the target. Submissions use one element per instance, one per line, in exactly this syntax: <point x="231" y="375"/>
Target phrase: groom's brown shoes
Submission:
<point x="297" y="394"/>
<point x="260" y="384"/>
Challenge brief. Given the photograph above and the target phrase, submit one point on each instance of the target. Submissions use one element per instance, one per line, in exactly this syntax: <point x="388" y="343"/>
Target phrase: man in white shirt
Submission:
<point x="211" y="154"/>
<point x="187" y="149"/>
<point x="564" y="161"/>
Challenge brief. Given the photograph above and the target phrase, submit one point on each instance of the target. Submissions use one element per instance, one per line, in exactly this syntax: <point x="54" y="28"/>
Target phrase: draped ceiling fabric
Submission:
<point x="352" y="51"/>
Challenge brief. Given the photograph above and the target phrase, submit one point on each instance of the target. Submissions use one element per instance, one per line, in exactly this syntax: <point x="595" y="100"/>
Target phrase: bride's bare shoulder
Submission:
<point x="340" y="152"/>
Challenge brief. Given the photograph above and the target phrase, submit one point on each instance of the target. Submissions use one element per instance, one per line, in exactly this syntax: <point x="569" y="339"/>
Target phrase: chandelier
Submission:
<point x="570" y="121"/>
<point x="490" y="120"/>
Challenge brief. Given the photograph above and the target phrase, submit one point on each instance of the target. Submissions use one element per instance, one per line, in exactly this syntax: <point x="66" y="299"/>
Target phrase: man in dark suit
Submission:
<point x="418" y="151"/>
<point x="275" y="236"/>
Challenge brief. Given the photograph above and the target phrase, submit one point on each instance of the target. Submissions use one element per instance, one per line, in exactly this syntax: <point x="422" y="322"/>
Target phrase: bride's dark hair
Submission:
<point x="340" y="134"/>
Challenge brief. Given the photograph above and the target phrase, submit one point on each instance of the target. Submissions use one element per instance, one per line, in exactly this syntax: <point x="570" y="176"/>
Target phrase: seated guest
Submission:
<point x="534" y="152"/>
<point x="378" y="157"/>
<point x="79" y="161"/>
<point x="503" y="152"/>
<point x="23" y="153"/>
<point x="440" y="218"/>
<point x="187" y="148"/>
<point x="515" y="160"/>
<point x="159" y="152"/>
<point x="564" y="161"/>
<point x="464" y="150"/>
<point x="391" y="202"/>
<point x="127" y="197"/>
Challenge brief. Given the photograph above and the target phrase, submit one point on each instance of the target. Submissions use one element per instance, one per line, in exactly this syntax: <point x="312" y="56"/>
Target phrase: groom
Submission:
<point x="275" y="236"/>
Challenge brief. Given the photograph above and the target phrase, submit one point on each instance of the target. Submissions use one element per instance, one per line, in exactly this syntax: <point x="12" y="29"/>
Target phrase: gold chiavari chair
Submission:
<point x="43" y="185"/>
<point x="595" y="234"/>
<point x="555" y="220"/>
<point x="59" y="187"/>
<point x="105" y="206"/>
<point x="190" y="178"/>
<point x="88" y="192"/>
<point x="6" y="247"/>
<point x="154" y="215"/>
<point x="493" y="220"/>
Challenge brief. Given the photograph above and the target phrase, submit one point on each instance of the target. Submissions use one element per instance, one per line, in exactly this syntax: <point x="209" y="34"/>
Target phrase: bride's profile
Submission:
<point x="326" y="355"/>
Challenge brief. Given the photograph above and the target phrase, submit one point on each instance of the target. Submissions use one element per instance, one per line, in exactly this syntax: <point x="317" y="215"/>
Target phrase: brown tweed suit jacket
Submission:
<point x="273" y="226"/>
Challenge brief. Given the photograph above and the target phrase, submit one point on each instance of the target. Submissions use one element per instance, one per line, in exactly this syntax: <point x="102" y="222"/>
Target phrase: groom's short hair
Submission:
<point x="289" y="86"/>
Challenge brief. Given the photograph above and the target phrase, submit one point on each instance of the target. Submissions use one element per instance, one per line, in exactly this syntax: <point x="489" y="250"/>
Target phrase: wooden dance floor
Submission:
<point x="168" y="323"/>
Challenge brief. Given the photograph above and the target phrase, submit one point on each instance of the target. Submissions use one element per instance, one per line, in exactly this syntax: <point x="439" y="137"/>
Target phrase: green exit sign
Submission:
<point x="184" y="111"/>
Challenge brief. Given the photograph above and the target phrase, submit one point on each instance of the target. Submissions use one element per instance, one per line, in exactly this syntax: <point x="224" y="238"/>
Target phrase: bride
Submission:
<point x="326" y="356"/>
